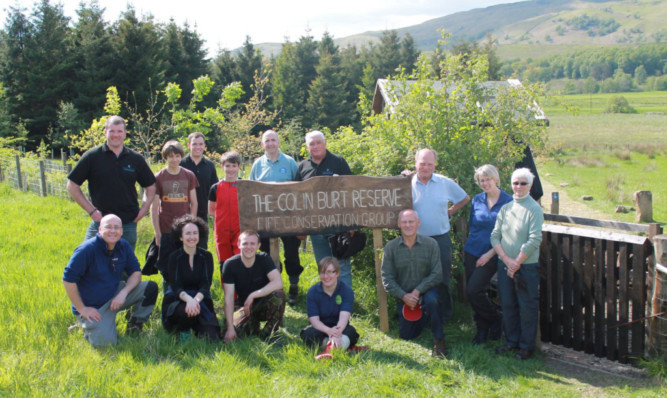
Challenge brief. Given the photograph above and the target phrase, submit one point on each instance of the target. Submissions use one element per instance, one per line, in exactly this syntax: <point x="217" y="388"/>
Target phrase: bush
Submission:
<point x="618" y="104"/>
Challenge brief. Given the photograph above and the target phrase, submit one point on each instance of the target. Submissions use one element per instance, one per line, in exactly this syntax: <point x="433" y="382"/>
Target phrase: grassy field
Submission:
<point x="609" y="156"/>
<point x="38" y="357"/>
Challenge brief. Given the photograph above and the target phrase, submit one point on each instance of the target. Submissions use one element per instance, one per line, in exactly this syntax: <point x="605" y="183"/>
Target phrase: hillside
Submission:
<point x="523" y="27"/>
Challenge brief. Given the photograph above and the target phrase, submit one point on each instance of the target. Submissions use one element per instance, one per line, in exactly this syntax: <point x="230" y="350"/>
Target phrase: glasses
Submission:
<point x="329" y="273"/>
<point x="522" y="183"/>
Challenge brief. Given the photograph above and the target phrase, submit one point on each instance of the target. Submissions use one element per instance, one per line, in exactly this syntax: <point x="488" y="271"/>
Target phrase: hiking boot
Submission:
<point x="439" y="348"/>
<point x="480" y="337"/>
<point x="505" y="348"/>
<point x="496" y="330"/>
<point x="293" y="294"/>
<point x="134" y="328"/>
<point x="523" y="354"/>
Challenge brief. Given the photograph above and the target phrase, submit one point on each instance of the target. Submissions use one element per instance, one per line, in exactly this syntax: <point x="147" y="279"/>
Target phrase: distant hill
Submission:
<point x="548" y="25"/>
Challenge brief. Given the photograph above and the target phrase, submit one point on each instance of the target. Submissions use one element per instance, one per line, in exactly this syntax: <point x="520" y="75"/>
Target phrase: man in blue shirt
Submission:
<point x="431" y="195"/>
<point x="93" y="281"/>
<point x="275" y="166"/>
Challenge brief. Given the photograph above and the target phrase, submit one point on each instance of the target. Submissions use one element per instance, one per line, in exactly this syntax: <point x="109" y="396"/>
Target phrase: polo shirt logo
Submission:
<point x="129" y="168"/>
<point x="283" y="170"/>
<point x="339" y="299"/>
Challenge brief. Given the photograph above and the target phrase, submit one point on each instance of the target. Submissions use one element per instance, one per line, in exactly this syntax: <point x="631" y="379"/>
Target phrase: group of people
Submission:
<point x="103" y="275"/>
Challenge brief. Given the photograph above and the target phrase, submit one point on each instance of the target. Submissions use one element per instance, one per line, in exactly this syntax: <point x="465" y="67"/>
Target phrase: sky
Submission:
<point x="224" y="24"/>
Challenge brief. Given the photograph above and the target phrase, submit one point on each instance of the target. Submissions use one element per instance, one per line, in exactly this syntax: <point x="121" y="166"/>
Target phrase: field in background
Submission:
<point x="609" y="156"/>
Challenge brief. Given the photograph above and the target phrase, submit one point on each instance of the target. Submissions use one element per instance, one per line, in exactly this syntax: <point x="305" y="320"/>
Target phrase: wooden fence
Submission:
<point x="593" y="288"/>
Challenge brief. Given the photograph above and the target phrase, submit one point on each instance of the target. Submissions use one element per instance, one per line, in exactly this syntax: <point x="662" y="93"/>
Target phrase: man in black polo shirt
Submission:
<point x="321" y="162"/>
<point x="112" y="170"/>
<point x="206" y="175"/>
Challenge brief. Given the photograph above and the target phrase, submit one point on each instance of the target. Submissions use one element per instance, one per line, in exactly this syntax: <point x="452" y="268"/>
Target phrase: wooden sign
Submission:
<point x="322" y="204"/>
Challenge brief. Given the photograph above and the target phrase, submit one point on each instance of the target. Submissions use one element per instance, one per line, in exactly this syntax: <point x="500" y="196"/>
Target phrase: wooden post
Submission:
<point x="554" y="203"/>
<point x="382" y="294"/>
<point x="63" y="157"/>
<point x="657" y="324"/>
<point x="274" y="250"/>
<point x="1" y="175"/>
<point x="42" y="178"/>
<point x="644" y="204"/>
<point x="18" y="172"/>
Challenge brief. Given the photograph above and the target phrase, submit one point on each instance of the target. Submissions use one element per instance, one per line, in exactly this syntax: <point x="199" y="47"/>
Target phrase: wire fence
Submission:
<point x="46" y="177"/>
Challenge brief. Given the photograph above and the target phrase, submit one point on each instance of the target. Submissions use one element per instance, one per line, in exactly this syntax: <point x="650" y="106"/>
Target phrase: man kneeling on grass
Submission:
<point x="254" y="279"/>
<point x="94" y="283"/>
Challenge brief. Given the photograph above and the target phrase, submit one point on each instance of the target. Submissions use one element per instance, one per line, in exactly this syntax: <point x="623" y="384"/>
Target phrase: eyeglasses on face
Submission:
<point x="329" y="273"/>
<point x="522" y="183"/>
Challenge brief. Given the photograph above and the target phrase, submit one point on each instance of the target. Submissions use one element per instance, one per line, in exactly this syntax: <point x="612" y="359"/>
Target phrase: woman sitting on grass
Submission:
<point x="329" y="307"/>
<point x="187" y="304"/>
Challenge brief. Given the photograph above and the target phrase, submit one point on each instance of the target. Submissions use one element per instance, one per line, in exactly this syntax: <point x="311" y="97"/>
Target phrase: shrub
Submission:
<point x="618" y="104"/>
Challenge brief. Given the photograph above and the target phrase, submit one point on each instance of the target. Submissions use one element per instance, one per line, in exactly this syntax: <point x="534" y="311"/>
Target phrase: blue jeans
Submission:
<point x="445" y="245"/>
<point x="431" y="311"/>
<point x="322" y="249"/>
<point x="129" y="232"/>
<point x="520" y="300"/>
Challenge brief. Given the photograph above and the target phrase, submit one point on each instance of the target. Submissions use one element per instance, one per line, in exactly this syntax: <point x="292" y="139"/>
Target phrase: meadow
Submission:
<point x="39" y="357"/>
<point x="609" y="156"/>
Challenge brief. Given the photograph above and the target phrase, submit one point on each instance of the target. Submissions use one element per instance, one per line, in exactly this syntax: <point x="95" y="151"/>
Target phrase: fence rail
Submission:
<point x="47" y="177"/>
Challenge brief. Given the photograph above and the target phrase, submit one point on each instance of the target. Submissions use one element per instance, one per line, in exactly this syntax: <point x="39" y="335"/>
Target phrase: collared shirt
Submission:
<point x="97" y="272"/>
<point x="405" y="269"/>
<point x="111" y="180"/>
<point x="206" y="176"/>
<point x="283" y="169"/>
<point x="481" y="222"/>
<point x="431" y="202"/>
<point x="328" y="308"/>
<point x="330" y="165"/>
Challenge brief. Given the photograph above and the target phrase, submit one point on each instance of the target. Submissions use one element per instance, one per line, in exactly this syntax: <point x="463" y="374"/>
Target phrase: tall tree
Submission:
<point x="13" y="63"/>
<point x="409" y="53"/>
<point x="248" y="62"/>
<point x="326" y="105"/>
<point x="223" y="72"/>
<point x="185" y="58"/>
<point x="288" y="95"/>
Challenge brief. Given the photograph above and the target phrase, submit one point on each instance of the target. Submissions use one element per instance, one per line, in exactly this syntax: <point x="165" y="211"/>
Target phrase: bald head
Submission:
<point x="111" y="229"/>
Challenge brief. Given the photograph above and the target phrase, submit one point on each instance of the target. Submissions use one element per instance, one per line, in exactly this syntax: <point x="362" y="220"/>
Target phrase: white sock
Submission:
<point x="346" y="342"/>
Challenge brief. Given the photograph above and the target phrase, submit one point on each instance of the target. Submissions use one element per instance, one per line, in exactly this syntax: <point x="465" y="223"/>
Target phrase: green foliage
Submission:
<point x="619" y="104"/>
<point x="594" y="25"/>
<point x="192" y="119"/>
<point x="94" y="135"/>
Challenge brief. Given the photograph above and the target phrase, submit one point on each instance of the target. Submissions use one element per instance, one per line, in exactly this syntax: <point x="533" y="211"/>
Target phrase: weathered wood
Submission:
<point x="566" y="256"/>
<point x="545" y="287"/>
<point x="654" y="229"/>
<point x="18" y="171"/>
<point x="322" y="204"/>
<point x="63" y="156"/>
<point x="274" y="251"/>
<point x="623" y="303"/>
<point x="638" y="299"/>
<point x="588" y="295"/>
<point x="42" y="179"/>
<point x="594" y="233"/>
<point x="555" y="202"/>
<point x="644" y="204"/>
<point x="383" y="314"/>
<point x="578" y="282"/>
<point x="590" y="222"/>
<point x="656" y="337"/>
<point x="556" y="288"/>
<point x="599" y="297"/>
<point x="611" y="318"/>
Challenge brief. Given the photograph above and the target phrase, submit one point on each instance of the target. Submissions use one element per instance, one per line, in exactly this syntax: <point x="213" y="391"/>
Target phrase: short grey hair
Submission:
<point x="487" y="170"/>
<point x="523" y="173"/>
<point x="269" y="131"/>
<point x="315" y="133"/>
<point x="435" y="154"/>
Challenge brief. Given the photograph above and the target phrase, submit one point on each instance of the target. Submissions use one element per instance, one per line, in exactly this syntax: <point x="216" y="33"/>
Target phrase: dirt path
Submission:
<point x="567" y="206"/>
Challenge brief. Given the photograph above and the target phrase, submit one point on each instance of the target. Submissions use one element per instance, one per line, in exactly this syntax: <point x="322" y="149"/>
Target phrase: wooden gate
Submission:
<point x="593" y="286"/>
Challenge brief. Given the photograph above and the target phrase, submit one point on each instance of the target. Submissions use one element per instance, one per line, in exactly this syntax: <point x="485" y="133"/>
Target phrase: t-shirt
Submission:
<point x="206" y="176"/>
<point x="247" y="280"/>
<point x="174" y="193"/>
<point x="111" y="180"/>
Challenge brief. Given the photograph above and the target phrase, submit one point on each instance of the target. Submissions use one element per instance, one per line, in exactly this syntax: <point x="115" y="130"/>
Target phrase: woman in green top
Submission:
<point x="516" y="239"/>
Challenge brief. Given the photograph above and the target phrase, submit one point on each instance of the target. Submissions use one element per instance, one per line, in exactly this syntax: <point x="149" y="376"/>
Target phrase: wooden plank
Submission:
<point x="598" y="292"/>
<point x="588" y="295"/>
<point x="18" y="171"/>
<point x="638" y="300"/>
<point x="591" y="222"/>
<point x="545" y="309"/>
<point x="567" y="290"/>
<point x="578" y="284"/>
<point x="382" y="294"/>
<point x="556" y="289"/>
<point x="612" y="321"/>
<point x="595" y="233"/>
<point x="623" y="300"/>
<point x="274" y="249"/>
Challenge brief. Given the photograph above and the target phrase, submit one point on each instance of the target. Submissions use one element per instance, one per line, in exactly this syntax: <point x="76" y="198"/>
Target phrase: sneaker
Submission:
<point x="275" y="339"/>
<point x="439" y="348"/>
<point x="326" y="354"/>
<point x="185" y="336"/>
<point x="134" y="328"/>
<point x="523" y="354"/>
<point x="293" y="294"/>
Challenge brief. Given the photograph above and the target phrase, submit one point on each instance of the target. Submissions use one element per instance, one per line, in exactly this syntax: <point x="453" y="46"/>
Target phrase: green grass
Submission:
<point x="38" y="357"/>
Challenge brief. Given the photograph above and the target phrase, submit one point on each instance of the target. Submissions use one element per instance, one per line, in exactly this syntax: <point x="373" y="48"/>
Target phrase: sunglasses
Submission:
<point x="522" y="183"/>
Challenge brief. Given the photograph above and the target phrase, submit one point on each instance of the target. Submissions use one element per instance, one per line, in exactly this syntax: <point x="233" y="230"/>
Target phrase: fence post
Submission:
<point x="18" y="171"/>
<point x="554" y="203"/>
<point x="42" y="178"/>
<point x="644" y="204"/>
<point x="63" y="157"/>
<point x="1" y="175"/>
<point x="657" y="320"/>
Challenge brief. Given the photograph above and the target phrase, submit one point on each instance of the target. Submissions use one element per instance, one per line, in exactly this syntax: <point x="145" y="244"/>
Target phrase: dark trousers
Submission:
<point x="291" y="246"/>
<point x="315" y="338"/>
<point x="445" y="245"/>
<point x="519" y="298"/>
<point x="477" y="283"/>
<point x="432" y="312"/>
<point x="185" y="323"/>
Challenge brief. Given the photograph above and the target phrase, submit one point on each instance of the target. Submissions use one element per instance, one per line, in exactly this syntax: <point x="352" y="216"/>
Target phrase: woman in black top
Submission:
<point x="187" y="304"/>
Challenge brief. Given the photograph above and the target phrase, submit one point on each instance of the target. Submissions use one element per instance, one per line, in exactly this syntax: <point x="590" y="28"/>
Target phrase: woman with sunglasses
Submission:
<point x="516" y="239"/>
<point x="480" y="259"/>
<point x="329" y="307"/>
